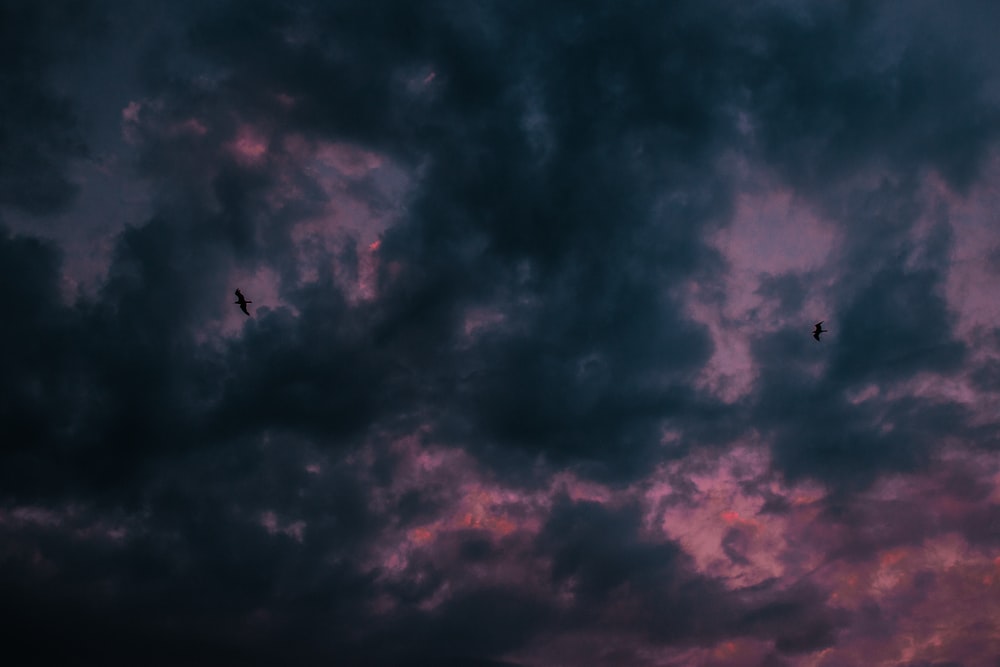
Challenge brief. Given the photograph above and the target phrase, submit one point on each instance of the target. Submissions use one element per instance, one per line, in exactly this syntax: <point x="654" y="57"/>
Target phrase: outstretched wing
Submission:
<point x="240" y="299"/>
<point x="816" y="335"/>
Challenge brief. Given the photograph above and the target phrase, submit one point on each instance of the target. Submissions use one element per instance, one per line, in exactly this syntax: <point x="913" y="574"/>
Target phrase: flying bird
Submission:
<point x="819" y="330"/>
<point x="242" y="301"/>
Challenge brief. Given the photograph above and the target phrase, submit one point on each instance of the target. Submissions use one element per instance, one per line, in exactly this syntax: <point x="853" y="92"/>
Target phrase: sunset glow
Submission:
<point x="480" y="333"/>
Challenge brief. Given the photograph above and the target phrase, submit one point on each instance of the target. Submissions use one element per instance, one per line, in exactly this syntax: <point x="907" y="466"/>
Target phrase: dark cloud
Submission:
<point x="653" y="586"/>
<point x="493" y="223"/>
<point x="894" y="326"/>
<point x="844" y="88"/>
<point x="38" y="123"/>
<point x="549" y="179"/>
<point x="197" y="573"/>
<point x="30" y="282"/>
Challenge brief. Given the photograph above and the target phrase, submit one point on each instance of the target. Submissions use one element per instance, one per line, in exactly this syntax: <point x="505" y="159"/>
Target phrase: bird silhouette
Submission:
<point x="242" y="301"/>
<point x="819" y="330"/>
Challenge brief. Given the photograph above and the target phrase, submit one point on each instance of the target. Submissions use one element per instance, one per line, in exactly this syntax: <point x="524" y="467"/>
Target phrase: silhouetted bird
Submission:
<point x="243" y="302"/>
<point x="819" y="330"/>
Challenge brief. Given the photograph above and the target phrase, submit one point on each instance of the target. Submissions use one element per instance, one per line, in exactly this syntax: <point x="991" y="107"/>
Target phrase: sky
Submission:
<point x="528" y="378"/>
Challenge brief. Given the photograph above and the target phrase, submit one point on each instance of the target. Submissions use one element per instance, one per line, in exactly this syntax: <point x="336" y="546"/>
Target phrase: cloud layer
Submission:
<point x="528" y="378"/>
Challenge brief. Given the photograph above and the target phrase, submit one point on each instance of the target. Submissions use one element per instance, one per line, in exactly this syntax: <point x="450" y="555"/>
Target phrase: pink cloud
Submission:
<point x="191" y="126"/>
<point x="294" y="529"/>
<point x="285" y="100"/>
<point x="250" y="145"/>
<point x="131" y="112"/>
<point x="722" y="508"/>
<point x="472" y="506"/>
<point x="31" y="515"/>
<point x="346" y="175"/>
<point x="772" y="232"/>
<point x="20" y="527"/>
<point x="135" y="115"/>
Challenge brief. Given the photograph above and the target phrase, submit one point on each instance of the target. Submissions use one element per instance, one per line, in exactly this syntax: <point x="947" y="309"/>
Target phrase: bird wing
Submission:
<point x="243" y="307"/>
<point x="816" y="335"/>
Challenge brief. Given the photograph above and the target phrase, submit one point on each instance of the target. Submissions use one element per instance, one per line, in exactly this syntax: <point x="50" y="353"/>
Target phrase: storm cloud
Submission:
<point x="528" y="377"/>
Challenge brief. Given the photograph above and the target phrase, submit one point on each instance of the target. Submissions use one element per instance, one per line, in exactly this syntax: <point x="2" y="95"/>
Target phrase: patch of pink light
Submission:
<point x="598" y="647"/>
<point x="936" y="591"/>
<point x="951" y="616"/>
<point x="473" y="501"/>
<point x="975" y="257"/>
<point x="293" y="529"/>
<point x="191" y="126"/>
<point x="942" y="388"/>
<point x="720" y="507"/>
<point x="480" y="320"/>
<point x="472" y="504"/>
<point x="24" y="515"/>
<point x="418" y="80"/>
<point x="365" y="192"/>
<point x="68" y="519"/>
<point x="250" y="147"/>
<point x="770" y="234"/>
<point x="774" y="232"/>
